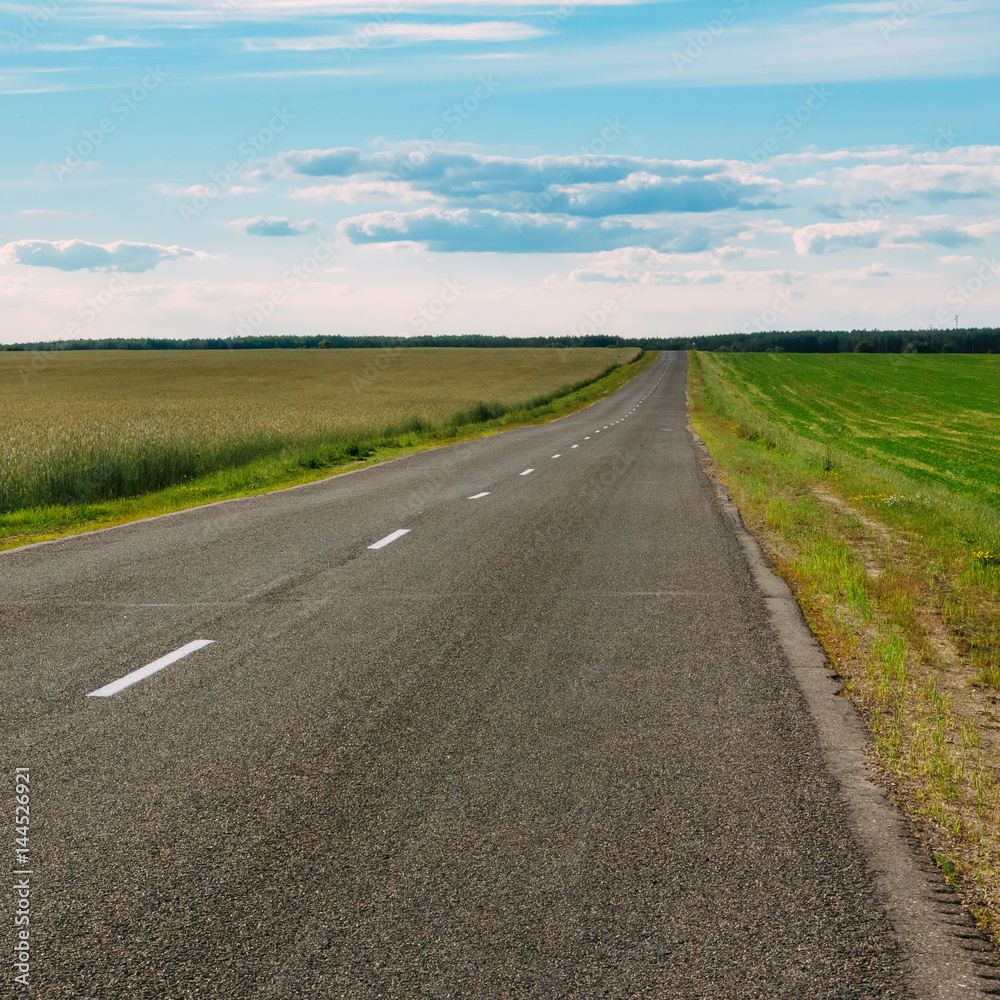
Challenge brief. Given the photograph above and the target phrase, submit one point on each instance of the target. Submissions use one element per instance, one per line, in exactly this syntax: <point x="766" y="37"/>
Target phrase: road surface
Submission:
<point x="545" y="743"/>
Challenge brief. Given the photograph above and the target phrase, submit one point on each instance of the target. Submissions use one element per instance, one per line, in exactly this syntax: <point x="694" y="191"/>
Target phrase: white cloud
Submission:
<point x="271" y="225"/>
<point x="939" y="230"/>
<point x="193" y="11"/>
<point x="651" y="277"/>
<point x="99" y="42"/>
<point x="791" y="48"/>
<point x="644" y="266"/>
<point x="593" y="185"/>
<point x="176" y="191"/>
<point x="496" y="55"/>
<point x="467" y="230"/>
<point x="875" y="271"/>
<point x="932" y="181"/>
<point x="826" y="237"/>
<point x="878" y="8"/>
<point x="474" y="31"/>
<point x="78" y="255"/>
<point x="288" y="74"/>
<point x="352" y="192"/>
<point x="810" y="156"/>
<point x="869" y="7"/>
<point x="201" y="190"/>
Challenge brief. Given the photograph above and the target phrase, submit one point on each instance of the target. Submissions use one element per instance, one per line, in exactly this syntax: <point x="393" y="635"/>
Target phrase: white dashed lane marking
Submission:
<point x="382" y="542"/>
<point x="614" y="423"/>
<point x="478" y="496"/>
<point x="150" y="668"/>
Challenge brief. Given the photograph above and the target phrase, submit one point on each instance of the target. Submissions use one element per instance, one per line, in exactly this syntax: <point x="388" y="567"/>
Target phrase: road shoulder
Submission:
<point x="946" y="953"/>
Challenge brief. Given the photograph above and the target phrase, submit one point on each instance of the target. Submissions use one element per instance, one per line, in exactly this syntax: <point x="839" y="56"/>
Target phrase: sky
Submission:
<point x="172" y="168"/>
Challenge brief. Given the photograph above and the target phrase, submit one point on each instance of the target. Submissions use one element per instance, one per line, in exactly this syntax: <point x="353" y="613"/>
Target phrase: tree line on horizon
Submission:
<point x="968" y="341"/>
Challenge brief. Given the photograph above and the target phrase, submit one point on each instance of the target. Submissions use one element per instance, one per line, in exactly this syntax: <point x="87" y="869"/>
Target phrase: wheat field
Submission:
<point x="78" y="426"/>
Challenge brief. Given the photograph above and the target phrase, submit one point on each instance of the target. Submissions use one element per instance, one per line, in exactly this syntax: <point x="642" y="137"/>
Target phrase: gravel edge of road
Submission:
<point x="946" y="954"/>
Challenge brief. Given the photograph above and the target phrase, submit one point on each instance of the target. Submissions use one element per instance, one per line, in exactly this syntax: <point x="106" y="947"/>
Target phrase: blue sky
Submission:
<point x="318" y="166"/>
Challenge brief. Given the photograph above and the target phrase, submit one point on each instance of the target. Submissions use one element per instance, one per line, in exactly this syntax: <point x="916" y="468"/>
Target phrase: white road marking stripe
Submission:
<point x="574" y="446"/>
<point x="587" y="438"/>
<point x="382" y="542"/>
<point x="526" y="471"/>
<point x="557" y="456"/>
<point x="478" y="495"/>
<point x="150" y="668"/>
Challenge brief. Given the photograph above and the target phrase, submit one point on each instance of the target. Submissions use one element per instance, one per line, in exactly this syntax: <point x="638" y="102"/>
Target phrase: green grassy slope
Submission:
<point x="934" y="418"/>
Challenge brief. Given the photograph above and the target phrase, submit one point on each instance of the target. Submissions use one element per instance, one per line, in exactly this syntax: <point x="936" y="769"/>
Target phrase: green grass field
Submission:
<point x="873" y="482"/>
<point x="933" y="418"/>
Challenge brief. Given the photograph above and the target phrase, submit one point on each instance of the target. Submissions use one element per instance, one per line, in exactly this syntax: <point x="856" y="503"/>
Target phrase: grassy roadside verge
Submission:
<point x="293" y="468"/>
<point x="901" y="584"/>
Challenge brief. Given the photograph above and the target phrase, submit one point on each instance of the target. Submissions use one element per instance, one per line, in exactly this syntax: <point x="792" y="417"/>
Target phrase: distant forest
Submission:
<point x="979" y="341"/>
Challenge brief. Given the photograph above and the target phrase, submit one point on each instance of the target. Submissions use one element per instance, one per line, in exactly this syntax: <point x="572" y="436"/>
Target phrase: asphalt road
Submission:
<point x="545" y="744"/>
